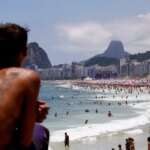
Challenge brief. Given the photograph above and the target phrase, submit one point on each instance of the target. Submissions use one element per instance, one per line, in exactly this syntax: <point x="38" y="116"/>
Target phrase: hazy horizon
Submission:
<point x="76" y="30"/>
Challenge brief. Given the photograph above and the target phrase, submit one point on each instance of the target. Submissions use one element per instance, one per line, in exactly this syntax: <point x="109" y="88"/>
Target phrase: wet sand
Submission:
<point x="107" y="142"/>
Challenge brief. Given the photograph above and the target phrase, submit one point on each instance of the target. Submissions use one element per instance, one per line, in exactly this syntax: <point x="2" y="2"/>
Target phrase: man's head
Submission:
<point x="13" y="45"/>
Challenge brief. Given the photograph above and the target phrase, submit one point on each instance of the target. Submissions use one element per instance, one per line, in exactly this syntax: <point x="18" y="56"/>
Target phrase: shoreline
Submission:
<point x="106" y="142"/>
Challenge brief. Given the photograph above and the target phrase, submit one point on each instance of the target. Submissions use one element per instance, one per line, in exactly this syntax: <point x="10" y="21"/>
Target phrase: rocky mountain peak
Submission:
<point x="115" y="50"/>
<point x="37" y="56"/>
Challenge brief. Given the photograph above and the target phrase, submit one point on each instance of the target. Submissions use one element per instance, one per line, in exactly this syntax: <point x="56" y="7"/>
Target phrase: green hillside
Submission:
<point x="102" y="61"/>
<point x="141" y="56"/>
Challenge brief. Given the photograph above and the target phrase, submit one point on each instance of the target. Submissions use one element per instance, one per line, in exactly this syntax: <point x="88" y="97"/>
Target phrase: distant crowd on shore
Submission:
<point x="129" y="143"/>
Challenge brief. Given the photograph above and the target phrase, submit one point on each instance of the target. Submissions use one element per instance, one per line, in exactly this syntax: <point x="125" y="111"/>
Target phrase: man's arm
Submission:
<point x="29" y="106"/>
<point x="42" y="111"/>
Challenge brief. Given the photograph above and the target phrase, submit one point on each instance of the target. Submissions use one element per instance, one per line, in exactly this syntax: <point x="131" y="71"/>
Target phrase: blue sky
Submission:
<point x="73" y="30"/>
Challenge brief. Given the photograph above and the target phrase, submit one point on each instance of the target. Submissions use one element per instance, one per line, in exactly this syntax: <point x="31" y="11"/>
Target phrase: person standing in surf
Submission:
<point x="66" y="141"/>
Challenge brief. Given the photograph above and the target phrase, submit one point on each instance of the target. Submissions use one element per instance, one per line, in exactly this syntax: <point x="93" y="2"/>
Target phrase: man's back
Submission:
<point x="18" y="93"/>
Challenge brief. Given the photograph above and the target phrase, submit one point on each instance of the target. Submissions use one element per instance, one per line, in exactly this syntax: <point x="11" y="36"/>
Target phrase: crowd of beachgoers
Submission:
<point x="113" y="82"/>
<point x="121" y="88"/>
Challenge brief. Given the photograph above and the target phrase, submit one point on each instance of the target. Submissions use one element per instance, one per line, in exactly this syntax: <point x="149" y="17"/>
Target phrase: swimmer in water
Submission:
<point x="109" y="114"/>
<point x="55" y="114"/>
<point x="86" y="121"/>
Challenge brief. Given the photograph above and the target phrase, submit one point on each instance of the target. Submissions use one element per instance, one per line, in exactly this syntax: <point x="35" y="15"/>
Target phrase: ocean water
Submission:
<point x="67" y="113"/>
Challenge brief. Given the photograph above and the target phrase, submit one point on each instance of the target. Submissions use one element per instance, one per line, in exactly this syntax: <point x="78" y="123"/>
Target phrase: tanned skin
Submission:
<point x="18" y="94"/>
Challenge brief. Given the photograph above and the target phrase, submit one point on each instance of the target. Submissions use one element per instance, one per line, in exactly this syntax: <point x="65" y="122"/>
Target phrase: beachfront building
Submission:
<point x="147" y="66"/>
<point x="63" y="71"/>
<point x="137" y="69"/>
<point x="106" y="72"/>
<point x="124" y="67"/>
<point x="91" y="71"/>
<point x="78" y="71"/>
<point x="44" y="73"/>
<point x="66" y="71"/>
<point x="133" y="68"/>
<point x="102" y="72"/>
<point x="50" y="74"/>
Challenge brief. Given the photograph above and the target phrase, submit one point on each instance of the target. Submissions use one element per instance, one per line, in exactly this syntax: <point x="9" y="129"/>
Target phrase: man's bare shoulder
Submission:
<point x="21" y="74"/>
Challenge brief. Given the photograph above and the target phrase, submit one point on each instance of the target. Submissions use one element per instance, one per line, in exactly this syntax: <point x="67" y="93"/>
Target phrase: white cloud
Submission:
<point x="84" y="36"/>
<point x="94" y="36"/>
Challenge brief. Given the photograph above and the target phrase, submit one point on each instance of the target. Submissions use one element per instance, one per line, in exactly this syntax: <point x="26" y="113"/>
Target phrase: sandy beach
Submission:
<point x="108" y="142"/>
<point x="105" y="143"/>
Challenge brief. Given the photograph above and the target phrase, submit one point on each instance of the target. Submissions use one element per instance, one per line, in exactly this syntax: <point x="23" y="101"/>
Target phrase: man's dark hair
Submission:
<point x="13" y="40"/>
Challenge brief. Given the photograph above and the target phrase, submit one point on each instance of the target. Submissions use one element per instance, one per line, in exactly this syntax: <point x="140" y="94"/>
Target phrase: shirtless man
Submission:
<point x="19" y="90"/>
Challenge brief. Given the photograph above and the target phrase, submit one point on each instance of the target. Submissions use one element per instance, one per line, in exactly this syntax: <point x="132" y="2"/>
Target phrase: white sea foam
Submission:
<point x="92" y="130"/>
<point x="65" y="85"/>
<point x="70" y="86"/>
<point x="134" y="132"/>
<point x="61" y="96"/>
<point x="89" y="140"/>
